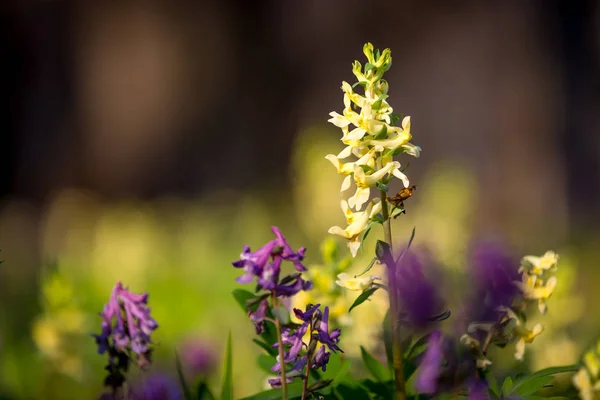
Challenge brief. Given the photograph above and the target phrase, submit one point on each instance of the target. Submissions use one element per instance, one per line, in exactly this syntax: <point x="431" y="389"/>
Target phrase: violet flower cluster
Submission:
<point x="317" y="324"/>
<point x="264" y="265"/>
<point x="126" y="329"/>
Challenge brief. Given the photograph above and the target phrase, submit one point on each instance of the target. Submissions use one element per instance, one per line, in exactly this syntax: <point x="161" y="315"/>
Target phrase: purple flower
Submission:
<point x="265" y="263"/>
<point x="416" y="295"/>
<point x="253" y="263"/>
<point x="429" y="372"/>
<point x="306" y="315"/>
<point x="287" y="252"/>
<point x="276" y="382"/>
<point x="157" y="387"/>
<point x="313" y="320"/>
<point x="258" y="316"/>
<point x="298" y="284"/>
<point x="132" y="325"/>
<point x="325" y="337"/>
<point x="494" y="272"/>
<point x="478" y="390"/>
<point x="198" y="357"/>
<point x="321" y="359"/>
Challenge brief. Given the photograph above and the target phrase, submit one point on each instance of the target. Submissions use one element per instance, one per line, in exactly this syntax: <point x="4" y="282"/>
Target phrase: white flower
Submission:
<point x="356" y="283"/>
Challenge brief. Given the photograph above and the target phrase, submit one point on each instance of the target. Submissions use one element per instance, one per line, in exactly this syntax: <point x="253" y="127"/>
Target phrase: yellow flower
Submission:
<point x="583" y="383"/>
<point x="355" y="282"/>
<point x="357" y="223"/>
<point x="534" y="288"/>
<point x="365" y="182"/>
<point x="523" y="334"/>
<point x="537" y="265"/>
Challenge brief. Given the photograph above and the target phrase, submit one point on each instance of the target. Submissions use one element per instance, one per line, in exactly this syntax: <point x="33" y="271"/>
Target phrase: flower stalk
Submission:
<point x="396" y="344"/>
<point x="281" y="350"/>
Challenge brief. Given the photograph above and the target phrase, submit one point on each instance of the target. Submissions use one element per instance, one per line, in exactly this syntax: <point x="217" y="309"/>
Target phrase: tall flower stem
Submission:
<point x="281" y="350"/>
<point x="308" y="361"/>
<point x="396" y="347"/>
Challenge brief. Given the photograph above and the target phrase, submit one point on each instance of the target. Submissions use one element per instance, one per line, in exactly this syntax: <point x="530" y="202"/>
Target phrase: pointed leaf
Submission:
<point x="187" y="393"/>
<point x="379" y="372"/>
<point x="507" y="386"/>
<point x="364" y="296"/>
<point x="371" y="264"/>
<point x="227" y="384"/>
<point x="440" y="317"/>
<point x="203" y="392"/>
<point x="531" y="386"/>
<point x="242" y="297"/>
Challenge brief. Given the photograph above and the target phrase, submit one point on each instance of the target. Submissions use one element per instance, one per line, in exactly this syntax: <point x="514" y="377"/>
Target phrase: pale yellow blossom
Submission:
<point x="357" y="223"/>
<point x="353" y="282"/>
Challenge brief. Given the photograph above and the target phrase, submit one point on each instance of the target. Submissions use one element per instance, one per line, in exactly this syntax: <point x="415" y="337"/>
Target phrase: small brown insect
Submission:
<point x="401" y="196"/>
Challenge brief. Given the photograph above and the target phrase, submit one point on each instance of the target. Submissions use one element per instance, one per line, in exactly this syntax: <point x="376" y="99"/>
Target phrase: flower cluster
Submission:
<point x="264" y="265"/>
<point x="510" y="302"/>
<point x="373" y="139"/>
<point x="126" y="328"/>
<point x="317" y="325"/>
<point x="587" y="379"/>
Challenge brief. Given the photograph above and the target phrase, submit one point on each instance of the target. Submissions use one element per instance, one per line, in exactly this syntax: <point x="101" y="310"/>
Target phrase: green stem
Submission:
<point x="281" y="351"/>
<point x="396" y="347"/>
<point x="308" y="361"/>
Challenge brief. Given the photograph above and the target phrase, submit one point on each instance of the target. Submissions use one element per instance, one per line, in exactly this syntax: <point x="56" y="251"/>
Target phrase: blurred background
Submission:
<point x="148" y="141"/>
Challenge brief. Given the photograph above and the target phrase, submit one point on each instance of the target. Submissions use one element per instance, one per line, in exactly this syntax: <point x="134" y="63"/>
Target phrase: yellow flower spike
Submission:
<point x="357" y="223"/>
<point x="365" y="182"/>
<point x="355" y="283"/>
<point x="583" y="383"/>
<point x="591" y="361"/>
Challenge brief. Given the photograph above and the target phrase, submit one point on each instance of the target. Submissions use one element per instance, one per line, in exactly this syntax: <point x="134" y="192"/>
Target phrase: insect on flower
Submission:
<point x="400" y="197"/>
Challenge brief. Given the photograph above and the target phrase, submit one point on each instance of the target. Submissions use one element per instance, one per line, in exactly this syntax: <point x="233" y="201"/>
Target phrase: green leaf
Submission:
<point x="227" y="385"/>
<point x="376" y="54"/>
<point x="187" y="393"/>
<point x="379" y="372"/>
<point x="410" y="240"/>
<point x="507" y="386"/>
<point x="545" y="372"/>
<point x="319" y="385"/>
<point x="242" y="297"/>
<point x="366" y="168"/>
<point x="265" y="362"/>
<point x="493" y="385"/>
<point x="382" y="133"/>
<point x="397" y="211"/>
<point x="349" y="391"/>
<point x="203" y="392"/>
<point x="417" y="348"/>
<point x="270" y="350"/>
<point x="371" y="264"/>
<point x="368" y="67"/>
<point x="364" y="296"/>
<point x="282" y="314"/>
<point x="531" y="386"/>
<point x="382" y="390"/>
<point x="294" y="390"/>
